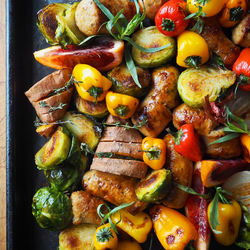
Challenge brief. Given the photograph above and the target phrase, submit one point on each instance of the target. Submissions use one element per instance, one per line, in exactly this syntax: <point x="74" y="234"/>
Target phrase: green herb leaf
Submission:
<point x="202" y="2"/>
<point x="214" y="213"/>
<point x="153" y="153"/>
<point x="104" y="154"/>
<point x="51" y="108"/>
<point x="95" y="91"/>
<point x="122" y="110"/>
<point x="193" y="61"/>
<point x="38" y="123"/>
<point x="191" y="191"/>
<point x="86" y="149"/>
<point x="235" y="14"/>
<point x="89" y="38"/>
<point x="225" y="138"/>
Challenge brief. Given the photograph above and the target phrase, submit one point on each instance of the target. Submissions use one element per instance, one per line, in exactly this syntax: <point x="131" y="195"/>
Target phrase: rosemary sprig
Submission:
<point x="126" y="125"/>
<point x="38" y="123"/>
<point x="107" y="217"/>
<point x="51" y="108"/>
<point x="232" y="130"/>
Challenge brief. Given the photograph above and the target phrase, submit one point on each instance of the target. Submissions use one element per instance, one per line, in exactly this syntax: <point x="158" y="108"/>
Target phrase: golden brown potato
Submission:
<point x="89" y="17"/>
<point x="155" y="108"/>
<point x="218" y="42"/>
<point x="225" y="150"/>
<point x="113" y="188"/>
<point x="151" y="6"/>
<point x="182" y="170"/>
<point x="84" y="208"/>
<point x="241" y="33"/>
<point x="184" y="114"/>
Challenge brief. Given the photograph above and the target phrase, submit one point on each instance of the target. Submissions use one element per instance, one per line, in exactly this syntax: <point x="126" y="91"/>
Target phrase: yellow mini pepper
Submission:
<point x="233" y="13"/>
<point x="173" y="229"/>
<point x="105" y="238"/>
<point x="90" y="84"/>
<point x="128" y="245"/>
<point x="192" y="50"/>
<point x="245" y="142"/>
<point x="229" y="219"/>
<point x="121" y="105"/>
<point x="137" y="226"/>
<point x="154" y="152"/>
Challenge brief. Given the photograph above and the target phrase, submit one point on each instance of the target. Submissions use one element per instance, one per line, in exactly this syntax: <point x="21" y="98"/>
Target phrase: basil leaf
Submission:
<point x="145" y="50"/>
<point x="214" y="213"/>
<point x="225" y="138"/>
<point x="190" y="190"/>
<point x="131" y="66"/>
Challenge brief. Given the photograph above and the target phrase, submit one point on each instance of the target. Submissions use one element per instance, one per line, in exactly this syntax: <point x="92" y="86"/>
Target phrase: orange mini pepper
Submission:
<point x="233" y="13"/>
<point x="121" y="105"/>
<point x="245" y="142"/>
<point x="172" y="228"/>
<point x="154" y="152"/>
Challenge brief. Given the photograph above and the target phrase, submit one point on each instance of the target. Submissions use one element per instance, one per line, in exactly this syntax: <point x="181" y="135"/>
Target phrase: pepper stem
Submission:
<point x="167" y="24"/>
<point x="235" y="14"/>
<point x="122" y="110"/>
<point x="193" y="61"/>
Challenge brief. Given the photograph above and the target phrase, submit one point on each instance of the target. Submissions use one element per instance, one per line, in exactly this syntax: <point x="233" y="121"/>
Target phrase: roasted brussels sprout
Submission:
<point x="122" y="81"/>
<point x="83" y="128"/>
<point x="151" y="37"/>
<point x="55" y="151"/>
<point x="63" y="178"/>
<point x="195" y="84"/>
<point x="51" y="209"/>
<point x="57" y="24"/>
<point x="98" y="110"/>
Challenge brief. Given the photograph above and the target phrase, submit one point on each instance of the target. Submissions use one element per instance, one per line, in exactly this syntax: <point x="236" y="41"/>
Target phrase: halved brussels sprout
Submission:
<point x="63" y="178"/>
<point x="57" y="24"/>
<point x="195" y="84"/>
<point x="151" y="37"/>
<point x="55" y="151"/>
<point x="122" y="81"/>
<point x="98" y="110"/>
<point x="51" y="209"/>
<point x="83" y="128"/>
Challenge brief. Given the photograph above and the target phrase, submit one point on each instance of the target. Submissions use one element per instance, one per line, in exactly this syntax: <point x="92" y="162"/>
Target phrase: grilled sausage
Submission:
<point x="84" y="208"/>
<point x="113" y="188"/>
<point x="182" y="170"/>
<point x="184" y="114"/>
<point x="218" y="42"/>
<point x="155" y="108"/>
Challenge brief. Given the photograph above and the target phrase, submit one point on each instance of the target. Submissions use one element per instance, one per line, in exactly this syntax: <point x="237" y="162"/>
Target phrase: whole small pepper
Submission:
<point x="187" y="143"/>
<point x="229" y="217"/>
<point x="192" y="50"/>
<point x="90" y="84"/>
<point x="154" y="152"/>
<point x="173" y="229"/>
<point x="242" y="69"/>
<point x="245" y="142"/>
<point x="121" y="105"/>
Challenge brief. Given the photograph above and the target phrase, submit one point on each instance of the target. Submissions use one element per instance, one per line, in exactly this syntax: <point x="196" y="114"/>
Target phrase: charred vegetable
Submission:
<point x="195" y="84"/>
<point x="98" y="110"/>
<point x="63" y="178"/>
<point x="155" y="186"/>
<point x="57" y="24"/>
<point x="55" y="151"/>
<point x="77" y="237"/>
<point x="83" y="128"/>
<point x="151" y="37"/>
<point x="51" y="209"/>
<point x="123" y="82"/>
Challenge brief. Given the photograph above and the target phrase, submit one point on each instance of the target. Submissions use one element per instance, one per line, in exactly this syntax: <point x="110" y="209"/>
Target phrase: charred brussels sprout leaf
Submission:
<point x="57" y="24"/>
<point x="51" y="209"/>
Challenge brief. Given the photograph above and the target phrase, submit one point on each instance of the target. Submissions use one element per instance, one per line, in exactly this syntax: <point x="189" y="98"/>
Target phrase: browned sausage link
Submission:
<point x="182" y="169"/>
<point x="155" y="107"/>
<point x="113" y="188"/>
<point x="184" y="114"/>
<point x="218" y="42"/>
<point x="84" y="208"/>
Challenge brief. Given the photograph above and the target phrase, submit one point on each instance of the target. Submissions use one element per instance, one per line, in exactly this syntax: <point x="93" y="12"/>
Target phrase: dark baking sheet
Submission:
<point x="23" y="178"/>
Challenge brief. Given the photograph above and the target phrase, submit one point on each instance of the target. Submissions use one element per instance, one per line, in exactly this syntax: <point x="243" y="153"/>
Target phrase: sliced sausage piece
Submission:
<point x="121" y="148"/>
<point x="155" y="108"/>
<point x="84" y="208"/>
<point x="241" y="33"/>
<point x="218" y="42"/>
<point x="224" y="150"/>
<point x="131" y="168"/>
<point x="184" y="114"/>
<point x="113" y="188"/>
<point x="182" y="171"/>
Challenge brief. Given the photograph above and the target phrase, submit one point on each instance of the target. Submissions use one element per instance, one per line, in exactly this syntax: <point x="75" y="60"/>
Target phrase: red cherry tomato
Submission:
<point x="169" y="19"/>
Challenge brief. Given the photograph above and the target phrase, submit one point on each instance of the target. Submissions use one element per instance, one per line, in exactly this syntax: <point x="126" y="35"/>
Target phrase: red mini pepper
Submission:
<point x="169" y="19"/>
<point x="242" y="69"/>
<point x="187" y="143"/>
